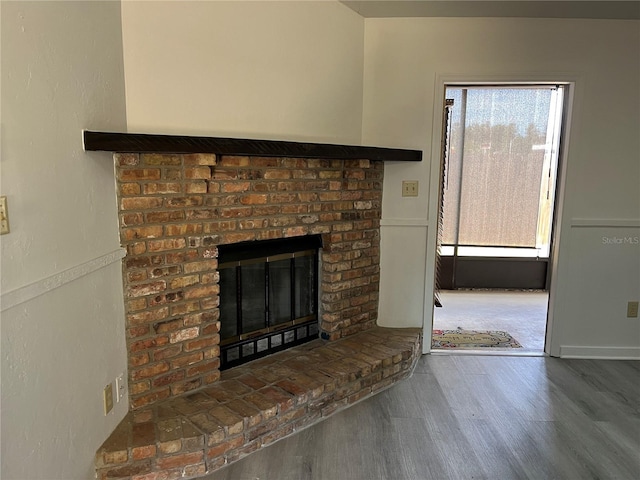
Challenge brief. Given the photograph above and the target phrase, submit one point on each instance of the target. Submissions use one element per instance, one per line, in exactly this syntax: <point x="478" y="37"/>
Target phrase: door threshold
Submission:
<point x="494" y="353"/>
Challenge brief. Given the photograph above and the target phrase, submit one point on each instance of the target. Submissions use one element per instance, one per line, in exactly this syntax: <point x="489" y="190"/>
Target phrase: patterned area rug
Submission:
<point x="472" y="339"/>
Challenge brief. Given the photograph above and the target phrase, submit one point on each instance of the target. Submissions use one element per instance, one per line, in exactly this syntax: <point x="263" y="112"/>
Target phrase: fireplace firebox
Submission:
<point x="268" y="297"/>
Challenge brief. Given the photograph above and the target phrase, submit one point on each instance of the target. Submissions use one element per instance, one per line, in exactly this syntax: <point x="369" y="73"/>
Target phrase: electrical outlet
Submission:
<point x="108" y="398"/>
<point x="4" y="216"/>
<point x="632" y="310"/>
<point x="121" y="387"/>
<point x="409" y="188"/>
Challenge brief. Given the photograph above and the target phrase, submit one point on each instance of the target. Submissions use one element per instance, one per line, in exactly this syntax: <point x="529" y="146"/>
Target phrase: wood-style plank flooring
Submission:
<point x="473" y="417"/>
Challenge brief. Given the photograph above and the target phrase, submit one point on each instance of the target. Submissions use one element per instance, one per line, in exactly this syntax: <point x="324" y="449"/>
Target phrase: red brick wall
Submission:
<point x="175" y="210"/>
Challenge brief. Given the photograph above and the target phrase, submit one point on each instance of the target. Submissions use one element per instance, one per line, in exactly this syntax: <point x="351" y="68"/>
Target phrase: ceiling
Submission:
<point x="609" y="9"/>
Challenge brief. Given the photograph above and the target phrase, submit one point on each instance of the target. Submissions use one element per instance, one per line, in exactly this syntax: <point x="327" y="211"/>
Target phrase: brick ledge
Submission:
<point x="255" y="405"/>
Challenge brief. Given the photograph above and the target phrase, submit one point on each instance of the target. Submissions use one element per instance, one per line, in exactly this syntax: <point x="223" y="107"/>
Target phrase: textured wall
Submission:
<point x="62" y="306"/>
<point x="249" y="69"/>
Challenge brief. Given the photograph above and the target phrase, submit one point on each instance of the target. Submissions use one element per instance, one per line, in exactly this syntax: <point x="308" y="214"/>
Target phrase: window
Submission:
<point x="499" y="182"/>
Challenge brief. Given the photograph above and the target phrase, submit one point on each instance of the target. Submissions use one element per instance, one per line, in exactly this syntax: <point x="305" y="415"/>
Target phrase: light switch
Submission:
<point x="410" y="188"/>
<point x="4" y="216"/>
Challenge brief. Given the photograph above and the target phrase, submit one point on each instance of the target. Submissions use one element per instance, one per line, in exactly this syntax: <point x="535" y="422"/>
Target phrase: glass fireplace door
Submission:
<point x="268" y="299"/>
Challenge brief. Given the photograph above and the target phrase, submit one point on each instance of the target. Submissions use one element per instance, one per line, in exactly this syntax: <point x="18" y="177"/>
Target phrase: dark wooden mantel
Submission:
<point x="148" y="143"/>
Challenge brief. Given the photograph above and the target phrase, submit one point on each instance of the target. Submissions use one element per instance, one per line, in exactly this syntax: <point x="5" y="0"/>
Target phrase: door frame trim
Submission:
<point x="440" y="84"/>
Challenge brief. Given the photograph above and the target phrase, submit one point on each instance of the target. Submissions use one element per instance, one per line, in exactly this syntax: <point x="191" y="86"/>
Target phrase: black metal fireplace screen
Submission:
<point x="268" y="297"/>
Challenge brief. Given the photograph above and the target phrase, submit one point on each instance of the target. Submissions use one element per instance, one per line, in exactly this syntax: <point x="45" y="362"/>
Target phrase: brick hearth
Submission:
<point x="255" y="405"/>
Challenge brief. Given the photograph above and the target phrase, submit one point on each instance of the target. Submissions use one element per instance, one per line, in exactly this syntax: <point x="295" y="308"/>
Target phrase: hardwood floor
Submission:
<point x="473" y="417"/>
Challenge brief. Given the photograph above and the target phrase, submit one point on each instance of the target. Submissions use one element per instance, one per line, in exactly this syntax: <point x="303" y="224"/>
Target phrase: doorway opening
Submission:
<point x="499" y="168"/>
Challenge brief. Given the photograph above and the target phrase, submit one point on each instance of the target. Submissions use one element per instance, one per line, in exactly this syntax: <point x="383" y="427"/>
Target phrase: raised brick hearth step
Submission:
<point x="255" y="404"/>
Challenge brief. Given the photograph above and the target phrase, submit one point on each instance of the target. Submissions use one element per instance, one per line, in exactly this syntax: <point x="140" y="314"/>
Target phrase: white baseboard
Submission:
<point x="600" y="353"/>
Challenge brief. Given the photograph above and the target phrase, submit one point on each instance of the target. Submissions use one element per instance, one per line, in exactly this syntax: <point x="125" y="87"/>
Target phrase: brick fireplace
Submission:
<point x="175" y="209"/>
<point x="180" y="199"/>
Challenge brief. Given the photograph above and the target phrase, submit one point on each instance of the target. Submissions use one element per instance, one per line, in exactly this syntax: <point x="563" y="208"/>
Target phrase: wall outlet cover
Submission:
<point x="121" y="387"/>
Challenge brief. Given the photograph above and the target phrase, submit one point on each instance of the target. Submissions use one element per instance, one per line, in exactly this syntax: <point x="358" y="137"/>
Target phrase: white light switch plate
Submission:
<point x="410" y="188"/>
<point x="4" y="216"/>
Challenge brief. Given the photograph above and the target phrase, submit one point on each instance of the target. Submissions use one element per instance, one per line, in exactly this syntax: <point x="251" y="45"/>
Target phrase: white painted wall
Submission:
<point x="253" y="69"/>
<point x="406" y="63"/>
<point x="600" y="289"/>
<point x="278" y="70"/>
<point x="62" y="323"/>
